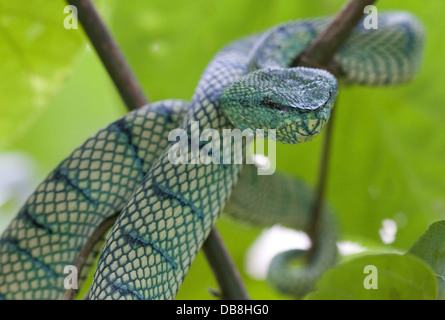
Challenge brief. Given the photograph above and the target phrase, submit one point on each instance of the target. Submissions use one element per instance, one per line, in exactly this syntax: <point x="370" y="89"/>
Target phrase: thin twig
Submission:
<point x="227" y="276"/>
<point x="110" y="54"/>
<point x="321" y="51"/>
<point x="321" y="186"/>
<point x="131" y="92"/>
<point x="320" y="54"/>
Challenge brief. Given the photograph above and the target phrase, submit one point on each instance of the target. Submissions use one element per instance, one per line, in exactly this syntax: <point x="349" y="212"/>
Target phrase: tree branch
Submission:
<point x="317" y="207"/>
<point x="225" y="271"/>
<point x="131" y="92"/>
<point x="319" y="55"/>
<point x="321" y="51"/>
<point x="110" y="54"/>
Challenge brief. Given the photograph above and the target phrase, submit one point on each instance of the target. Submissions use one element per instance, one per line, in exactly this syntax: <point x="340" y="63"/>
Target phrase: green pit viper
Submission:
<point x="167" y="210"/>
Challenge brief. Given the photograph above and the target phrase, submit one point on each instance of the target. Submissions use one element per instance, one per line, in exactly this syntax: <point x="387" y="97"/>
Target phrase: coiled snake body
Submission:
<point x="167" y="210"/>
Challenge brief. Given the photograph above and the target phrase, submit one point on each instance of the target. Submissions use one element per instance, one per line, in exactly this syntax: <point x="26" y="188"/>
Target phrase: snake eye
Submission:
<point x="284" y="110"/>
<point x="268" y="102"/>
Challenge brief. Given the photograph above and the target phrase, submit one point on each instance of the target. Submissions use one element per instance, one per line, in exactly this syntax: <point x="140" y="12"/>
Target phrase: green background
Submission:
<point x="388" y="147"/>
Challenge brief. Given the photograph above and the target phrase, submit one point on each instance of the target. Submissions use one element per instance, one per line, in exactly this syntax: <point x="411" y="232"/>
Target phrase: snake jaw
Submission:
<point x="327" y="100"/>
<point x="307" y="124"/>
<point x="301" y="130"/>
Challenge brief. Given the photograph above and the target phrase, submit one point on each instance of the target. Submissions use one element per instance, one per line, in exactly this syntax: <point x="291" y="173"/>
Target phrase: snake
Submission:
<point x="166" y="210"/>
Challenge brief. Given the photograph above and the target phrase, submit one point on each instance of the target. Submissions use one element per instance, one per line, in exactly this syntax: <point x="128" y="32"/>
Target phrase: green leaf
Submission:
<point x="430" y="247"/>
<point x="397" y="277"/>
<point x="36" y="53"/>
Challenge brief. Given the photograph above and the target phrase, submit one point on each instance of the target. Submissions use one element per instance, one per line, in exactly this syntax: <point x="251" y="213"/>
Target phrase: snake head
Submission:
<point x="296" y="102"/>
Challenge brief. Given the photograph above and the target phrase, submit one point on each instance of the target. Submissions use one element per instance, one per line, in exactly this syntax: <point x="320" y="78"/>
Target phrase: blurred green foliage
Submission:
<point x="388" y="147"/>
<point x="32" y="71"/>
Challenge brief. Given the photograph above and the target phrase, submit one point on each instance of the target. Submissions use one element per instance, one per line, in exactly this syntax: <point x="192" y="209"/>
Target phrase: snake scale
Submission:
<point x="166" y="209"/>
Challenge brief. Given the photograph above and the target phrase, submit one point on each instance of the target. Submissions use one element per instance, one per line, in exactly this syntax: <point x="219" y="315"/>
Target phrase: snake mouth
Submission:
<point x="327" y="100"/>
<point x="307" y="126"/>
<point x="301" y="130"/>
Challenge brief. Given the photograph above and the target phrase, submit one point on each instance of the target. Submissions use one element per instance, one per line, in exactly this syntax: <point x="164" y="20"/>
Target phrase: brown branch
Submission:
<point x="110" y="54"/>
<point x="320" y="54"/>
<point x="133" y="96"/>
<point x="317" y="208"/>
<point x="225" y="271"/>
<point x="321" y="51"/>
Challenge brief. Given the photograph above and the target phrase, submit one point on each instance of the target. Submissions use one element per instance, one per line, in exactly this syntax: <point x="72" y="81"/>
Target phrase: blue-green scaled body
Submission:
<point x="166" y="209"/>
